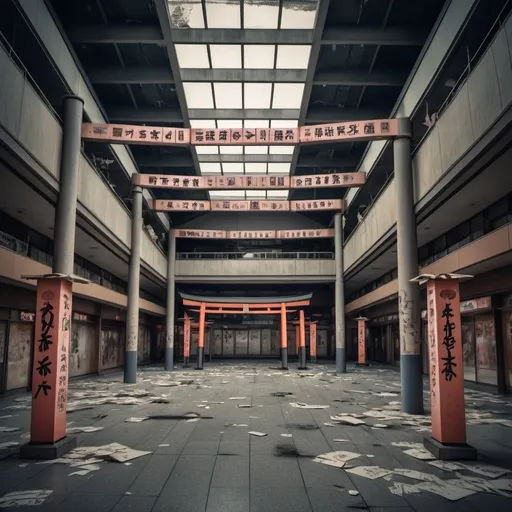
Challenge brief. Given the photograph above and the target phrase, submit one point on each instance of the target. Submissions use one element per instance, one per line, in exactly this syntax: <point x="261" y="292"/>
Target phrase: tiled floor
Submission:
<point x="210" y="465"/>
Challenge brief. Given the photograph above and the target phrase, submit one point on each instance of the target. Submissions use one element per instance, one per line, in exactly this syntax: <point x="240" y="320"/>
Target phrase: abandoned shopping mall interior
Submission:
<point x="255" y="255"/>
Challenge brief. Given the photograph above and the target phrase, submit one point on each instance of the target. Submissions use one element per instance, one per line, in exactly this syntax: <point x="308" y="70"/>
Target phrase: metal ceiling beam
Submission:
<point x="351" y="35"/>
<point x="242" y="36"/>
<point x="162" y="11"/>
<point x="321" y="17"/>
<point x="163" y="75"/>
<point x="117" y="34"/>
<point x="133" y="75"/>
<point x="173" y="115"/>
<point x="244" y="113"/>
<point x="243" y="75"/>
<point x="305" y="161"/>
<point x="359" y="78"/>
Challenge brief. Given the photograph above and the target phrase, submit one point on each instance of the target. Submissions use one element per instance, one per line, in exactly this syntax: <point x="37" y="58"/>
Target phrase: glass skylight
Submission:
<point x="261" y="14"/>
<point x="226" y="56"/>
<point x="192" y="56"/>
<point x="293" y="56"/>
<point x="223" y="14"/>
<point x="253" y="97"/>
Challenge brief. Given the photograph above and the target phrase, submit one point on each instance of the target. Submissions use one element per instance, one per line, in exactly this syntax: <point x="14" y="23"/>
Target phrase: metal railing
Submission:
<point x="255" y="256"/>
<point x="13" y="244"/>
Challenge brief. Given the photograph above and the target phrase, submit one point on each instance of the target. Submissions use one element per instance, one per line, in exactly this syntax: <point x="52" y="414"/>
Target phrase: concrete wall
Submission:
<point x="476" y="107"/>
<point x="28" y="119"/>
<point x="44" y="26"/>
<point x="13" y="266"/>
<point x="276" y="269"/>
<point x="494" y="244"/>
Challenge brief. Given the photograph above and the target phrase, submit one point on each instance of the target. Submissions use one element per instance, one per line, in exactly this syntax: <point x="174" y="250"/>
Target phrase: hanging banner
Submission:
<point x="163" y="205"/>
<point x="244" y="136"/>
<point x="355" y="130"/>
<point x="306" y="233"/>
<point x="324" y="204"/>
<point x="199" y="233"/>
<point x="349" y="179"/>
<point x="281" y="234"/>
<point x="132" y="134"/>
<point x="251" y="234"/>
<point x="155" y="135"/>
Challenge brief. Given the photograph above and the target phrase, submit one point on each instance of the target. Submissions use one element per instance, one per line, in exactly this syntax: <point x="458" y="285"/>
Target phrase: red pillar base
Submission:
<point x="450" y="451"/>
<point x="48" y="451"/>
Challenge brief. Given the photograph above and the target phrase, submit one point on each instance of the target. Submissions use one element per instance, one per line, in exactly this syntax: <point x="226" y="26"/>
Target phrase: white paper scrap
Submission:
<point x="333" y="463"/>
<point x="127" y="454"/>
<point x="353" y="493"/>
<point x="75" y="430"/>
<point x="257" y="434"/>
<point x="9" y="429"/>
<point x="371" y="472"/>
<point x="237" y="397"/>
<point x="339" y="456"/>
<point x="286" y="435"/>
<point x="341" y="440"/>
<point x="447" y="491"/>
<point x="24" y="498"/>
<point x="306" y="406"/>
<point x="446" y="465"/>
<point x="486" y="470"/>
<point x="503" y="484"/>
<point x="135" y="420"/>
<point x="420" y="454"/>
<point x="348" y="420"/>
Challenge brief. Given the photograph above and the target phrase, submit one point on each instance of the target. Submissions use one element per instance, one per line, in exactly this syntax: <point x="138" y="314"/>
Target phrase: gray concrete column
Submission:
<point x="171" y="294"/>
<point x="408" y="268"/>
<point x="339" y="296"/>
<point x="65" y="213"/>
<point x="132" y="315"/>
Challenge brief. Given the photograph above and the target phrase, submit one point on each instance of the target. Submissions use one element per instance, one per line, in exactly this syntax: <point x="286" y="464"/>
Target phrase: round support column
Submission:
<point x="171" y="295"/>
<point x="132" y="315"/>
<point x="407" y="255"/>
<point x="339" y="296"/>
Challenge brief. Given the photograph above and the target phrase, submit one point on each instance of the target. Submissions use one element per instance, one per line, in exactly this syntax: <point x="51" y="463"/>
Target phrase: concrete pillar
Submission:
<point x="132" y="315"/>
<point x="171" y="294"/>
<point x="65" y="213"/>
<point x="312" y="342"/>
<point x="186" y="341"/>
<point x="408" y="268"/>
<point x="200" y="340"/>
<point x="302" y="341"/>
<point x="339" y="296"/>
<point x="284" y="339"/>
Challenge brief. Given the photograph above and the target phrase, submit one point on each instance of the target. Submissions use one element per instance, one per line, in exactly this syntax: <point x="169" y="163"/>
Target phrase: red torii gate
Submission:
<point x="246" y="306"/>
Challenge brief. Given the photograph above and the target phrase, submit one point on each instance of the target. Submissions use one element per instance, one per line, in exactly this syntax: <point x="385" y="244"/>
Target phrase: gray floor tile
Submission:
<point x="282" y="499"/>
<point x="134" y="504"/>
<point x="228" y="499"/>
<point x="231" y="471"/>
<point x="153" y="477"/>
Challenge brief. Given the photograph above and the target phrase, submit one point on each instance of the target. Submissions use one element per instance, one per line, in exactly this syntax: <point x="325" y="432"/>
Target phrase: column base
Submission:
<point x="48" y="451"/>
<point x="302" y="358"/>
<point x="186" y="362"/>
<point x="200" y="358"/>
<point x="130" y="367"/>
<point x="284" y="358"/>
<point x="341" y="362"/>
<point x="313" y="359"/>
<point x="449" y="451"/>
<point x="362" y="364"/>
<point x="411" y="377"/>
<point x="169" y="359"/>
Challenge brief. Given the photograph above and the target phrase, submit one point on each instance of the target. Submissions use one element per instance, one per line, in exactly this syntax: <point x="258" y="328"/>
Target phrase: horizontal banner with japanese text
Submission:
<point x="165" y="205"/>
<point x="349" y="179"/>
<point x="285" y="234"/>
<point x="154" y="135"/>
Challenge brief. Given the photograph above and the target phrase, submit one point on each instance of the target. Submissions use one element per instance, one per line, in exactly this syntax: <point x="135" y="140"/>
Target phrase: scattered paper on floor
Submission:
<point x="136" y="420"/>
<point x="257" y="434"/>
<point x="307" y="406"/>
<point x="24" y="498"/>
<point x="420" y="454"/>
<point x="371" y="472"/>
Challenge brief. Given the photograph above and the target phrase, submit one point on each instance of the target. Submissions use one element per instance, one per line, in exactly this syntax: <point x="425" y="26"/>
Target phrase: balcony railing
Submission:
<point x="255" y="256"/>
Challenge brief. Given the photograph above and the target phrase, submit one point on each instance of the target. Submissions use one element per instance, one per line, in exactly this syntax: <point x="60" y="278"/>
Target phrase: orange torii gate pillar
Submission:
<point x="448" y="441"/>
<point x="186" y="342"/>
<point x="361" y="341"/>
<point x="284" y="339"/>
<point x="312" y="341"/>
